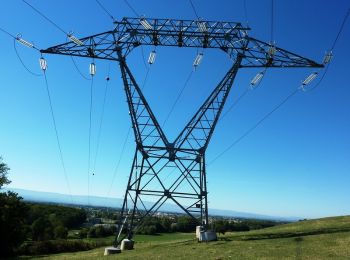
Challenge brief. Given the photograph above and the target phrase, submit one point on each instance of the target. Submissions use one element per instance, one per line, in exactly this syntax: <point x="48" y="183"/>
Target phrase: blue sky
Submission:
<point x="295" y="164"/>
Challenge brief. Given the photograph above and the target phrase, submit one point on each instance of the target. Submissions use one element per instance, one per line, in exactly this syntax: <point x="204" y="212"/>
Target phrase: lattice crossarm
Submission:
<point x="262" y="54"/>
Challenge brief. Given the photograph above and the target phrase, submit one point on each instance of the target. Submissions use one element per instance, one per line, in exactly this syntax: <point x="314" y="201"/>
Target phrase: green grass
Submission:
<point x="327" y="238"/>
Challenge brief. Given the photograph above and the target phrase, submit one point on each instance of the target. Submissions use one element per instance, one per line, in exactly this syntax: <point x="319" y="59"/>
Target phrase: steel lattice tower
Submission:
<point x="156" y="158"/>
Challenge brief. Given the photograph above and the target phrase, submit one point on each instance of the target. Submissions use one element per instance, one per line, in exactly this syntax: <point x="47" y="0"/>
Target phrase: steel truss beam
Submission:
<point x="174" y="171"/>
<point x="229" y="37"/>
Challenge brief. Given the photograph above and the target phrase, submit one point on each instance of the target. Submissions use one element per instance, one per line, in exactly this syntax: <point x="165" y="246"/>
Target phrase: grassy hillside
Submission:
<point x="327" y="238"/>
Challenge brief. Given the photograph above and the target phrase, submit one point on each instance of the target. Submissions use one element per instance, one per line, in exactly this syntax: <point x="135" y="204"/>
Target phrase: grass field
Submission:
<point x="327" y="238"/>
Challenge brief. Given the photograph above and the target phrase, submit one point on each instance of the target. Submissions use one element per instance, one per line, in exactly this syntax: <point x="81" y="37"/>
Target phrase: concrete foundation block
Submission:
<point x="112" y="250"/>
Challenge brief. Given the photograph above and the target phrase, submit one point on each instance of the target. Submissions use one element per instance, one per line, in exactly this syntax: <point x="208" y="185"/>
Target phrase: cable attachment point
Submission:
<point x="145" y="24"/>
<point x="92" y="69"/>
<point x="152" y="57"/>
<point x="74" y="39"/>
<point x="327" y="57"/>
<point x="24" y="42"/>
<point x="43" y="64"/>
<point x="272" y="50"/>
<point x="197" y="60"/>
<point x="257" y="79"/>
<point x="308" y="80"/>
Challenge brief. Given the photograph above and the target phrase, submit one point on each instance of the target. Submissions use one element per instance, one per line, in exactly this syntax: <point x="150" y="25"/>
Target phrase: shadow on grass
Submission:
<point x="288" y="235"/>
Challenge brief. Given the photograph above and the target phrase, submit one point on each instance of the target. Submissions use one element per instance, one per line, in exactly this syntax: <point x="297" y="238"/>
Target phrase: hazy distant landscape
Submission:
<point x="51" y="197"/>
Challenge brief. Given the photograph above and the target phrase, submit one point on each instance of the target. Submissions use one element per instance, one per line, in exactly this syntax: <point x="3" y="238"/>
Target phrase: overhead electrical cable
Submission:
<point x="178" y="97"/>
<point x="105" y="10"/>
<point x="284" y="100"/>
<point x="272" y="22"/>
<point x="22" y="62"/>
<point x="194" y="9"/>
<point x="77" y="69"/>
<point x="19" y="39"/>
<point x="327" y="62"/>
<point x="131" y="8"/>
<point x="245" y="12"/>
<point x="126" y="137"/>
<point x="6" y="32"/>
<point x="101" y="119"/>
<point x="44" y="67"/>
<point x="246" y="133"/>
<point x="90" y="121"/>
<point x="45" y="17"/>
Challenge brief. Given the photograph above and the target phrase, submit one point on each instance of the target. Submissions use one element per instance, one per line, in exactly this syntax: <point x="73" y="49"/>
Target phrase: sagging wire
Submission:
<point x="76" y="66"/>
<point x="18" y="38"/>
<point x="20" y="59"/>
<point x="251" y="129"/>
<point x="92" y="70"/>
<point x="45" y="17"/>
<point x="70" y="34"/>
<point x="245" y="12"/>
<point x="272" y="22"/>
<point x="43" y="66"/>
<point x="197" y="61"/>
<point x="101" y="119"/>
<point x="328" y="55"/>
<point x="105" y="10"/>
<point x="194" y="9"/>
<point x="131" y="8"/>
<point x="178" y="97"/>
<point x="326" y="61"/>
<point x="116" y="169"/>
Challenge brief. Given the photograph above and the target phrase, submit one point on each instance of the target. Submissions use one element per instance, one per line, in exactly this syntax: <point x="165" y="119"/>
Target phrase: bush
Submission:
<point x="57" y="246"/>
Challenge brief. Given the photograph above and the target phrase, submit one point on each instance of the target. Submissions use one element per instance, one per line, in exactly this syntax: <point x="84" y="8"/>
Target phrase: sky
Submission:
<point x="296" y="163"/>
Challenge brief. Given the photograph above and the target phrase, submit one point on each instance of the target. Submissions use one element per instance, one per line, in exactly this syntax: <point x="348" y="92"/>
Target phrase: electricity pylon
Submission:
<point x="164" y="170"/>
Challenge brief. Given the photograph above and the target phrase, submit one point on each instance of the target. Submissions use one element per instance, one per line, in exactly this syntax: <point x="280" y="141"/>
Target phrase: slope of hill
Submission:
<point x="326" y="238"/>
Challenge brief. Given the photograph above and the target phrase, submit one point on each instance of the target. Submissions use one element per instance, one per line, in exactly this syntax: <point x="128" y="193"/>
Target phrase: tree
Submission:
<point x="13" y="213"/>
<point x="60" y="232"/>
<point x="3" y="173"/>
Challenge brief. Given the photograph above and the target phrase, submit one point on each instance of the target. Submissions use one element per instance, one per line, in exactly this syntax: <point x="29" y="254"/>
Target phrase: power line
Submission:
<point x="6" y="32"/>
<point x="105" y="10"/>
<point x="45" y="17"/>
<point x="90" y="119"/>
<point x="331" y="50"/>
<point x="178" y="97"/>
<point x="131" y="8"/>
<point x="22" y="62"/>
<point x="341" y="29"/>
<point x="254" y="126"/>
<point x="245" y="92"/>
<point x="119" y="160"/>
<point x="77" y="69"/>
<point x="194" y="9"/>
<point x="57" y="136"/>
<point x="126" y="138"/>
<point x="245" y="11"/>
<point x="287" y="98"/>
<point x="272" y="21"/>
<point x="101" y="119"/>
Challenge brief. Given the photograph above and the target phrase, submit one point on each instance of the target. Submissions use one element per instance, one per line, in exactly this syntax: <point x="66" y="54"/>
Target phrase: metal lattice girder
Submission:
<point x="148" y="133"/>
<point x="154" y="181"/>
<point x="197" y="133"/>
<point x="229" y="37"/>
